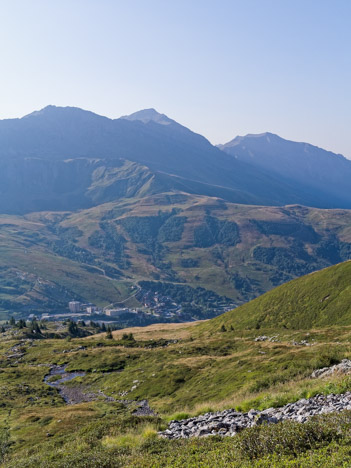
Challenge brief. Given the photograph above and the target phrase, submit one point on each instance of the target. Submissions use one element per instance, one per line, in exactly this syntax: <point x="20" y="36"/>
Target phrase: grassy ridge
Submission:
<point x="320" y="299"/>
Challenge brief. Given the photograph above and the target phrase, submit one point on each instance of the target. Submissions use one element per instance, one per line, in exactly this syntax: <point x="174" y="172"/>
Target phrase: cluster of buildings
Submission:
<point x="76" y="307"/>
<point x="160" y="305"/>
<point x="152" y="303"/>
<point x="79" y="310"/>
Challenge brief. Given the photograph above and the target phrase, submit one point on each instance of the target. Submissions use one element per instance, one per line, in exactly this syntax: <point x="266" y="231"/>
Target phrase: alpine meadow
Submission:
<point x="175" y="290"/>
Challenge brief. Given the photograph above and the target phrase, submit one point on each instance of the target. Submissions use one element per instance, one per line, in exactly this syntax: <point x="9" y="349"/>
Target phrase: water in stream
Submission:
<point x="71" y="395"/>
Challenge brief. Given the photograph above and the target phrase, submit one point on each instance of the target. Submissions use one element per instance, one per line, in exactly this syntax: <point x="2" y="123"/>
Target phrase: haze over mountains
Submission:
<point x="110" y="204"/>
<point x="67" y="158"/>
<point x="300" y="162"/>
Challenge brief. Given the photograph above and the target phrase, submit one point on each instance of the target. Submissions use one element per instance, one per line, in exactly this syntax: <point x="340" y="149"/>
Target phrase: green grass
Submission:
<point x="320" y="299"/>
<point x="190" y="377"/>
<point x="47" y="258"/>
<point x="127" y="442"/>
<point x="206" y="369"/>
<point x="221" y="370"/>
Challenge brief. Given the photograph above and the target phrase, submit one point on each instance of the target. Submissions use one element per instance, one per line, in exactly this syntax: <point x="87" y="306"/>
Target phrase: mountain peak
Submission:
<point x="45" y="110"/>
<point x="53" y="112"/>
<point x="269" y="137"/>
<point x="149" y="115"/>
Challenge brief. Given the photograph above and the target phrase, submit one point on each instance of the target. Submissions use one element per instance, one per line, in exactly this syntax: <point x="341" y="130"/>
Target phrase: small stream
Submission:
<point x="66" y="376"/>
<point x="71" y="395"/>
<point x="80" y="393"/>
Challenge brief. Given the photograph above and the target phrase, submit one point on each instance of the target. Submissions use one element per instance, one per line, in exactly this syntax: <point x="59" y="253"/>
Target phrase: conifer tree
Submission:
<point x="109" y="335"/>
<point x="73" y="329"/>
<point x="34" y="327"/>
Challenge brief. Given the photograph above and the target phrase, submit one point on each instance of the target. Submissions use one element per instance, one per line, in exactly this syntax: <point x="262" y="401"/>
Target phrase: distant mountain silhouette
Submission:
<point x="301" y="163"/>
<point x="65" y="158"/>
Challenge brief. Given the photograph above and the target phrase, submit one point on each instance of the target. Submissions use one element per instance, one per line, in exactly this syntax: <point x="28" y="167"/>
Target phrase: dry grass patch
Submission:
<point x="167" y="331"/>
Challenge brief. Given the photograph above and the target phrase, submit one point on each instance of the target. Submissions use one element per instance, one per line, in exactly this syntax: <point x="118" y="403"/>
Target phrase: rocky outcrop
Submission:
<point x="343" y="368"/>
<point x="230" y="422"/>
<point x="143" y="409"/>
<point x="272" y="339"/>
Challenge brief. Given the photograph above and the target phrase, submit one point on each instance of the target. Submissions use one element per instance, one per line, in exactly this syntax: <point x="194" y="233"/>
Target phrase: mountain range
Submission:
<point x="302" y="163"/>
<point x="91" y="207"/>
<point x="68" y="158"/>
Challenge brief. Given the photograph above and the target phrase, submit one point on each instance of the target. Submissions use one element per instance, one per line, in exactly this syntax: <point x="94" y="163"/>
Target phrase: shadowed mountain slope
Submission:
<point x="40" y="150"/>
<point x="299" y="163"/>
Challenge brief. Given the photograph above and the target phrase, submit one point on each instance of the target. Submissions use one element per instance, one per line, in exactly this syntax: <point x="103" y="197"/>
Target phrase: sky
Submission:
<point x="222" y="68"/>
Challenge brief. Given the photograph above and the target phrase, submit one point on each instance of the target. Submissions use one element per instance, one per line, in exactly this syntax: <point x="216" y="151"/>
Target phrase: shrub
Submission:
<point x="290" y="437"/>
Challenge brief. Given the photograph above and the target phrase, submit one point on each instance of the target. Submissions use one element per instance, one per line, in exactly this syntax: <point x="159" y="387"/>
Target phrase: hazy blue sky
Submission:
<point x="222" y="68"/>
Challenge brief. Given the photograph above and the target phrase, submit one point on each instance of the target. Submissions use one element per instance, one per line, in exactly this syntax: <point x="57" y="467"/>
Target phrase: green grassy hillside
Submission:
<point x="179" y="240"/>
<point x="182" y="369"/>
<point x="320" y="299"/>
